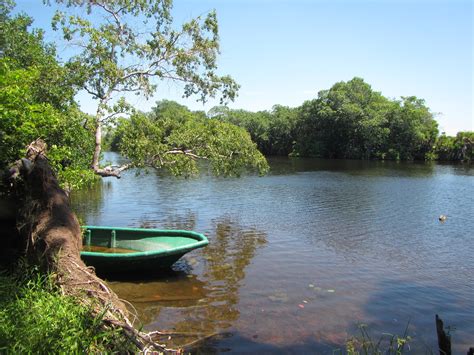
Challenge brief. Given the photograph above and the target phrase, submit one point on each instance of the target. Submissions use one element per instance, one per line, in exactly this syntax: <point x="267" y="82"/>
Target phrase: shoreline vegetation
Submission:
<point x="48" y="240"/>
<point x="348" y="121"/>
<point x="38" y="318"/>
<point x="37" y="92"/>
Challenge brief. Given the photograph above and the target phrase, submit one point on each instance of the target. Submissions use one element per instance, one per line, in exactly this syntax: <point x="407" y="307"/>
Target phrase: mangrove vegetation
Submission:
<point x="48" y="146"/>
<point x="347" y="121"/>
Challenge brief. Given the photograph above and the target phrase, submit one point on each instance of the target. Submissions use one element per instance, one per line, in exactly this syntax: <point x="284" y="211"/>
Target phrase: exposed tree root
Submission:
<point x="52" y="239"/>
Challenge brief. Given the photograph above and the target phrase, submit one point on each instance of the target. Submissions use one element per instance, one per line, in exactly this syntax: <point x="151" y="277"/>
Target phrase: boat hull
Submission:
<point x="132" y="250"/>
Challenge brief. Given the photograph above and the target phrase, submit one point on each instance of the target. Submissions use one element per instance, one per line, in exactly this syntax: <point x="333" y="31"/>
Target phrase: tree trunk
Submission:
<point x="51" y="234"/>
<point x="51" y="237"/>
<point x="108" y="170"/>
<point x="98" y="145"/>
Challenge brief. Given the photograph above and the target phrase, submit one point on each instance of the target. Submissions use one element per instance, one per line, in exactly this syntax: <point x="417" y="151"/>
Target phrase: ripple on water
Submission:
<point x="365" y="235"/>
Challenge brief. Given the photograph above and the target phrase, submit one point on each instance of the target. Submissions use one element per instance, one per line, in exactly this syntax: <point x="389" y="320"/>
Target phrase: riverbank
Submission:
<point x="37" y="318"/>
<point x="310" y="258"/>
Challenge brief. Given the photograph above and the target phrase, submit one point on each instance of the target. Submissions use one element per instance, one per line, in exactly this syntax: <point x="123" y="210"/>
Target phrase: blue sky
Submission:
<point x="284" y="52"/>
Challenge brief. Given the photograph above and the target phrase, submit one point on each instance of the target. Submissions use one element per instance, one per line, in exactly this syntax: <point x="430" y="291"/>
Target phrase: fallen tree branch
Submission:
<point x="112" y="171"/>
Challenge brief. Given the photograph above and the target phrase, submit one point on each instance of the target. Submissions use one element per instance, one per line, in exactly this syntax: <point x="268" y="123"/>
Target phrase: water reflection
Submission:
<point x="283" y="166"/>
<point x="204" y="305"/>
<point x="326" y="232"/>
<point x="89" y="202"/>
<point x="171" y="289"/>
<point x="185" y="221"/>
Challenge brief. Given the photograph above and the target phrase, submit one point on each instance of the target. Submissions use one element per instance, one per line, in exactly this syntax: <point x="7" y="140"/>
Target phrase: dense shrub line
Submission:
<point x="352" y="121"/>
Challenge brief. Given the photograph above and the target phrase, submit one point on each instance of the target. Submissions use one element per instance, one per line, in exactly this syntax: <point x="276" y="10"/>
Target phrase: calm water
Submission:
<point x="297" y="259"/>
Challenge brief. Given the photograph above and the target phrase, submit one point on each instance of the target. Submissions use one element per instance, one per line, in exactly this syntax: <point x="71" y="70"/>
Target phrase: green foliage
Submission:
<point x="387" y="344"/>
<point x="459" y="148"/>
<point x="273" y="132"/>
<point x="282" y="130"/>
<point x="117" y="56"/>
<point x="172" y="137"/>
<point x="113" y="135"/>
<point x="413" y="131"/>
<point x="36" y="318"/>
<point x="349" y="120"/>
<point x="26" y="49"/>
<point x="22" y="118"/>
<point x="352" y="121"/>
<point x="37" y="102"/>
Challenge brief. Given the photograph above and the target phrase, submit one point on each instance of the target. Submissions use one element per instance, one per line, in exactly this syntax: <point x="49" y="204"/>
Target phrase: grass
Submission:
<point x="389" y="344"/>
<point x="36" y="318"/>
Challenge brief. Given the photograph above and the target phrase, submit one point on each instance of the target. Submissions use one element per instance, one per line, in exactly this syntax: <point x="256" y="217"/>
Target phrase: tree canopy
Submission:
<point x="349" y="120"/>
<point x="115" y="57"/>
<point x="37" y="102"/>
<point x="128" y="46"/>
<point x="460" y="147"/>
<point x="173" y="138"/>
<point x="273" y="131"/>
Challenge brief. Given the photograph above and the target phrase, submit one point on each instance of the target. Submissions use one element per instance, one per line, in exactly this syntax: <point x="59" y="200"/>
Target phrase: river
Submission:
<point x="300" y="258"/>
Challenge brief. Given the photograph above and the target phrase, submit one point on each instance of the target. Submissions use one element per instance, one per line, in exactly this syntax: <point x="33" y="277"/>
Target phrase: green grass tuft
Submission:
<point x="389" y="344"/>
<point x="36" y="318"/>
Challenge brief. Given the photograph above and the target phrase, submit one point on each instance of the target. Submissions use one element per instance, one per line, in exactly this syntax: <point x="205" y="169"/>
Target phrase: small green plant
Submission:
<point x="36" y="318"/>
<point x="387" y="344"/>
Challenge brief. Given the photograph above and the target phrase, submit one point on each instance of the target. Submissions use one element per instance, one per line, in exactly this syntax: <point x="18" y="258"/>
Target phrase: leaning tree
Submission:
<point x="130" y="46"/>
<point x="124" y="46"/>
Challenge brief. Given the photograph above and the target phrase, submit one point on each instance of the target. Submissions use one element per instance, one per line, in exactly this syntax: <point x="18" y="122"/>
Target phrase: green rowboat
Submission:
<point x="118" y="250"/>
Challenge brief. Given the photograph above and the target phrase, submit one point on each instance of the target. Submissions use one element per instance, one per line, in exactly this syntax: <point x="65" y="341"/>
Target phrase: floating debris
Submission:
<point x="331" y="291"/>
<point x="301" y="306"/>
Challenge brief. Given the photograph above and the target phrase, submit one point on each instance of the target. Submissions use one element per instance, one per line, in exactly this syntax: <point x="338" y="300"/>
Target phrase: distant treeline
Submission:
<point x="349" y="121"/>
